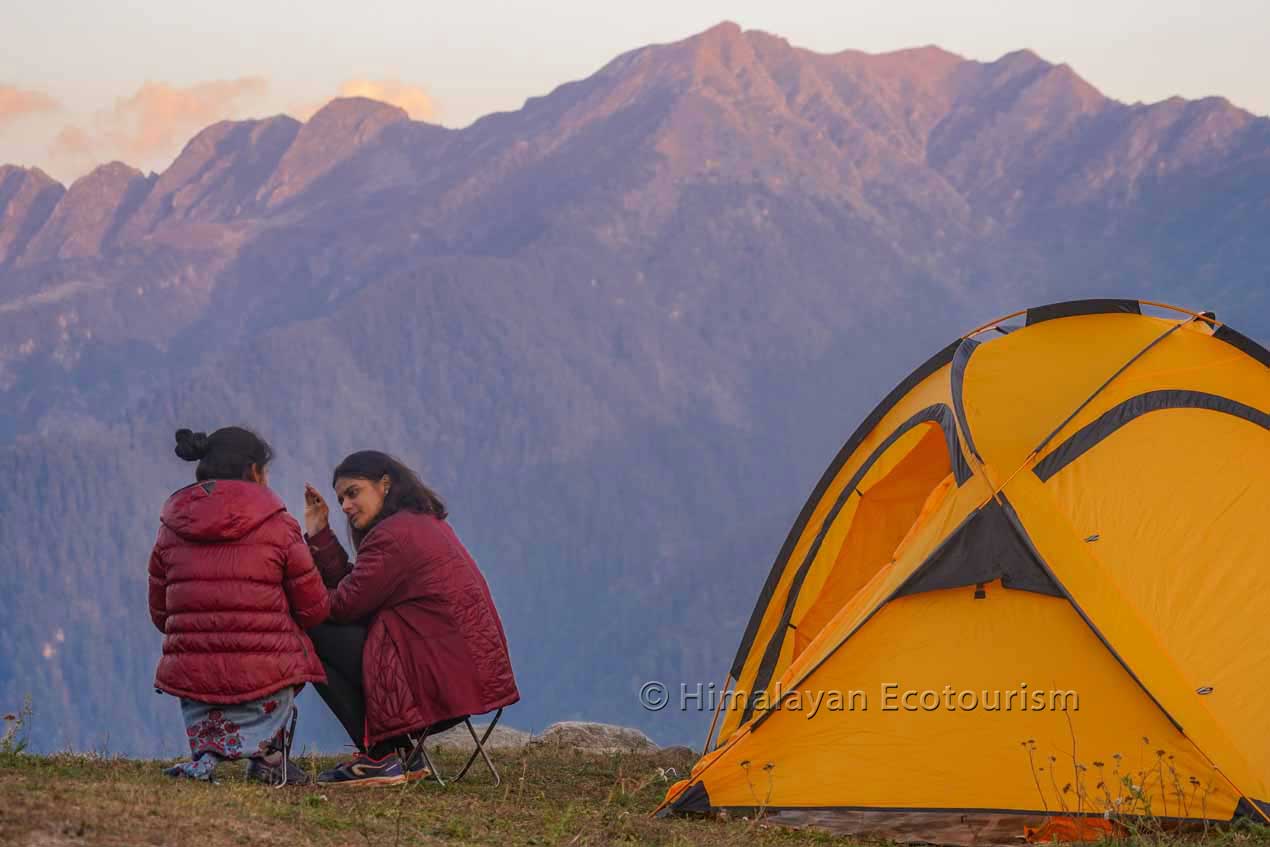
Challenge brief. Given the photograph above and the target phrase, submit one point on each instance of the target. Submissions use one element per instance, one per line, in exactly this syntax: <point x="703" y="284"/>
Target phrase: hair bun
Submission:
<point x="191" y="446"/>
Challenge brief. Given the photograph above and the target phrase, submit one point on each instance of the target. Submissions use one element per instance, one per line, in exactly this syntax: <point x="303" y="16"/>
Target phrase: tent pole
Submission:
<point x="717" y="708"/>
<point x="1036" y="451"/>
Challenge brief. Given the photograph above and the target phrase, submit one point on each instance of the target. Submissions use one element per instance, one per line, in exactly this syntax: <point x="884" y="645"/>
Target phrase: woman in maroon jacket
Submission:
<point x="232" y="589"/>
<point x="414" y="638"/>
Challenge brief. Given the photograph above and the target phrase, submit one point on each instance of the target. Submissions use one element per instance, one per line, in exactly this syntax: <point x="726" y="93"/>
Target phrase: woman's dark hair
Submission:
<point x="405" y="492"/>
<point x="228" y="453"/>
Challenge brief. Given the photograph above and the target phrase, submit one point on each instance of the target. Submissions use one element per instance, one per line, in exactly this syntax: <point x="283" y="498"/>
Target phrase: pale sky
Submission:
<point x="86" y="82"/>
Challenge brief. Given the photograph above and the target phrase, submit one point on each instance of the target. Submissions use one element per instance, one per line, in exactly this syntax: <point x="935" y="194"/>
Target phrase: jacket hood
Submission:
<point x="219" y="509"/>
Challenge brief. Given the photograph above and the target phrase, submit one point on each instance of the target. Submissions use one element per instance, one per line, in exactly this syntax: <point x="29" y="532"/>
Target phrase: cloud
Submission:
<point x="160" y="118"/>
<point x="416" y="101"/>
<point x="72" y="141"/>
<point x="17" y="103"/>
<point x="73" y="151"/>
<point x="148" y="128"/>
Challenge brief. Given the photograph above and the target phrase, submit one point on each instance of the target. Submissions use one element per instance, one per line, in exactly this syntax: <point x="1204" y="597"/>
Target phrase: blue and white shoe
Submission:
<point x="363" y="770"/>
<point x="202" y="769"/>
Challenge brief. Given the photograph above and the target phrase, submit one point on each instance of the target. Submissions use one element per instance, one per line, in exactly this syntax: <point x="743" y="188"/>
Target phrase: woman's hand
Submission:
<point x="316" y="513"/>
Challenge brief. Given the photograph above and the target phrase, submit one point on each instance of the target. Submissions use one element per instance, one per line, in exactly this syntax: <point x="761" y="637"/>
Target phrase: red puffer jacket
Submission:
<point x="232" y="588"/>
<point x="435" y="647"/>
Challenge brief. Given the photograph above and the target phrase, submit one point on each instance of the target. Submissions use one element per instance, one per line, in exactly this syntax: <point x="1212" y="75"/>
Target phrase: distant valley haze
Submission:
<point x="622" y="330"/>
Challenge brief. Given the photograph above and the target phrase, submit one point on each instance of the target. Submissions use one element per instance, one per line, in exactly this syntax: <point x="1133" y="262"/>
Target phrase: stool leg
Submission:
<point x="421" y="749"/>
<point x="288" y="736"/>
<point x="480" y="749"/>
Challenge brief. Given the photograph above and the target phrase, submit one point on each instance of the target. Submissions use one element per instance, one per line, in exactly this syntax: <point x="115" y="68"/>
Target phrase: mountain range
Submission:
<point x="622" y="330"/>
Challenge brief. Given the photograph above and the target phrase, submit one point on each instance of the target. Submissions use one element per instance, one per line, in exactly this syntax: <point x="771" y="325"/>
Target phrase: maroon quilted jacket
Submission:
<point x="435" y="648"/>
<point x="232" y="589"/>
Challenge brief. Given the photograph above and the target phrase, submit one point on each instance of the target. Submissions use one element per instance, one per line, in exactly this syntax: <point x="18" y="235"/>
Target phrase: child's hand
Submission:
<point x="316" y="513"/>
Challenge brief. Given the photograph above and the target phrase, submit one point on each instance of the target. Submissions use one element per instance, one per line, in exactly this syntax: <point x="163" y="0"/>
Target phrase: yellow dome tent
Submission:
<point x="1034" y="583"/>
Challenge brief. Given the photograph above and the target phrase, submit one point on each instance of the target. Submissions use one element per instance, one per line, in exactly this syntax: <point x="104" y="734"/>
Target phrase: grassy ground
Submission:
<point x="548" y="797"/>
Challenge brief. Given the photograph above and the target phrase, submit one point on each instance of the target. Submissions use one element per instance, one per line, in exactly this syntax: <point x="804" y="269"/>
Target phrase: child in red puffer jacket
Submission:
<point x="233" y="588"/>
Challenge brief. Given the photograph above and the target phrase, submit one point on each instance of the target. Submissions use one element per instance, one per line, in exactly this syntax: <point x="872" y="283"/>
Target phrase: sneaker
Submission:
<point x="202" y="769"/>
<point x="271" y="773"/>
<point x="363" y="770"/>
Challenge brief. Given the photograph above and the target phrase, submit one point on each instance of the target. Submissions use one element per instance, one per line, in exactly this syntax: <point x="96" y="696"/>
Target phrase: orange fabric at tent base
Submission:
<point x="1073" y="507"/>
<point x="1069" y="830"/>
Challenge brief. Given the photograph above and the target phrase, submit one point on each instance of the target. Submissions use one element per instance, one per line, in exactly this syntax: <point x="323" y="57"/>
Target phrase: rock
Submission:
<point x="596" y="737"/>
<point x="679" y="751"/>
<point x="503" y="738"/>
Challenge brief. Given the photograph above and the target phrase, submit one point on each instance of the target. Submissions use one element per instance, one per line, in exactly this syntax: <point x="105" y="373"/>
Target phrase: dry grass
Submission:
<point x="547" y="797"/>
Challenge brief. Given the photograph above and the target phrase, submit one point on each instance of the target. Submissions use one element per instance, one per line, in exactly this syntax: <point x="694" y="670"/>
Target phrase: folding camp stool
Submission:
<point x="288" y="737"/>
<point x="420" y="747"/>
